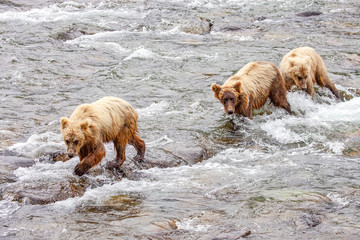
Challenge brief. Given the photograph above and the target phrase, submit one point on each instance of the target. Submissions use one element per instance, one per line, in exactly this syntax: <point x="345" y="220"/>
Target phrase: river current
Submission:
<point x="278" y="176"/>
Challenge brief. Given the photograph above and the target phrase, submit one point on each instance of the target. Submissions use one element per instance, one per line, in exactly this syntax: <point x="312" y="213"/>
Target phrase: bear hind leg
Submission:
<point x="278" y="98"/>
<point x="120" y="146"/>
<point x="327" y="83"/>
<point x="139" y="145"/>
<point x="333" y="89"/>
<point x="120" y="158"/>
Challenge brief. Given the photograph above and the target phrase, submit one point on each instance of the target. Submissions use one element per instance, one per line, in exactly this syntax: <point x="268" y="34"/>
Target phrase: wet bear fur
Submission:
<point x="303" y="67"/>
<point x="250" y="87"/>
<point x="92" y="125"/>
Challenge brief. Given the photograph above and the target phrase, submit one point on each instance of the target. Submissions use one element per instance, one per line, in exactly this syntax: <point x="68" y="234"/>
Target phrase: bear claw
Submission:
<point x="81" y="169"/>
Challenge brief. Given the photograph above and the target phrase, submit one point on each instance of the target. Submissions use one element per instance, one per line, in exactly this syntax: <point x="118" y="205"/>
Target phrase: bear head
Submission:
<point x="228" y="96"/>
<point x="75" y="134"/>
<point x="300" y="72"/>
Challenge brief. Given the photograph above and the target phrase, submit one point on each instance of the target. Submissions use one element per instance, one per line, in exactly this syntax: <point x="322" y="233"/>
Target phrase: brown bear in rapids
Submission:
<point x="91" y="125"/>
<point x="303" y="67"/>
<point x="250" y="87"/>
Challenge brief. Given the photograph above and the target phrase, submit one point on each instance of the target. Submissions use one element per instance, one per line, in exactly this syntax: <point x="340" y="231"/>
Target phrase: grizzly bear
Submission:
<point x="92" y="125"/>
<point x="250" y="87"/>
<point x="303" y="67"/>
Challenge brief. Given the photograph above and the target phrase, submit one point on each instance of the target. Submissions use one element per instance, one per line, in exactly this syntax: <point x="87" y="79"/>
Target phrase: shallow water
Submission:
<point x="279" y="176"/>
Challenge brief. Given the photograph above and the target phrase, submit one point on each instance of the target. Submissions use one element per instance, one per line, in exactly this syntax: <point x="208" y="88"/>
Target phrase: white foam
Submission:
<point x="100" y="40"/>
<point x="314" y="116"/>
<point x="233" y="37"/>
<point x="191" y="224"/>
<point x="153" y="109"/>
<point x="338" y="200"/>
<point x="142" y="53"/>
<point x="67" y="11"/>
<point x="45" y="172"/>
<point x="164" y="140"/>
<point x="279" y="130"/>
<point x="7" y="208"/>
<point x="84" y="42"/>
<point x="336" y="147"/>
<point x="342" y="112"/>
<point x="39" y="144"/>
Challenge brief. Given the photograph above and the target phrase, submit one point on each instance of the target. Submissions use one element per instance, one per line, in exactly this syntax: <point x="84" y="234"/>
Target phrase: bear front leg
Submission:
<point x="247" y="106"/>
<point x="139" y="145"/>
<point x="90" y="160"/>
<point x="310" y="88"/>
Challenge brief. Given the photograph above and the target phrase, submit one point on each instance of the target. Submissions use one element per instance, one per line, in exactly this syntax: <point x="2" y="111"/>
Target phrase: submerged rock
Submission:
<point x="40" y="193"/>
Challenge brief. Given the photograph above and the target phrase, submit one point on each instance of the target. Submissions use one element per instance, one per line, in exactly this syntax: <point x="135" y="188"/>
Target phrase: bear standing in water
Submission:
<point x="303" y="67"/>
<point x="92" y="125"/>
<point x="250" y="87"/>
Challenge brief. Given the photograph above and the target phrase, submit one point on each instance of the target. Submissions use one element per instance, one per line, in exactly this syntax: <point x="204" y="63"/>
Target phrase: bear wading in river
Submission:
<point x="303" y="67"/>
<point x="250" y="87"/>
<point x="92" y="125"/>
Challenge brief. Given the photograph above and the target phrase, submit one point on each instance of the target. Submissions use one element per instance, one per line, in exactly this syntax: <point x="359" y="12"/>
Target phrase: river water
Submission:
<point x="279" y="176"/>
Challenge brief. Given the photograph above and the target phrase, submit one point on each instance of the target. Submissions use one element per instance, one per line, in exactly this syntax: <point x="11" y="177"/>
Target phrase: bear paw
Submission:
<point x="111" y="165"/>
<point x="139" y="157"/>
<point x="82" y="168"/>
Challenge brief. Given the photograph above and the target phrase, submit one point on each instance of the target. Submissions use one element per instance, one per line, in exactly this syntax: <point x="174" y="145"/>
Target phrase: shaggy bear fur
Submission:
<point x="250" y="87"/>
<point x="91" y="125"/>
<point x="303" y="67"/>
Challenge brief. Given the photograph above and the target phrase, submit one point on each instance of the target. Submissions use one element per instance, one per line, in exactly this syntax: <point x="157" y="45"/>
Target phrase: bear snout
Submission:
<point x="70" y="155"/>
<point x="230" y="112"/>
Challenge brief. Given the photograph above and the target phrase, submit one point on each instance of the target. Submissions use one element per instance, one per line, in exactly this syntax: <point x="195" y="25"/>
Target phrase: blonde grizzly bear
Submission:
<point x="92" y="125"/>
<point x="303" y="67"/>
<point x="250" y="87"/>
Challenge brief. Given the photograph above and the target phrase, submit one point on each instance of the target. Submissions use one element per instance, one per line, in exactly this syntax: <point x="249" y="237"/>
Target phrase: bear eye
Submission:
<point x="67" y="142"/>
<point x="300" y="78"/>
<point x="76" y="142"/>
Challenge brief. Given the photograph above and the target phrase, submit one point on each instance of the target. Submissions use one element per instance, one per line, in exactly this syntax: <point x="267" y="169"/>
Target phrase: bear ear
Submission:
<point x="216" y="88"/>
<point x="64" y="122"/>
<point x="292" y="61"/>
<point x="307" y="61"/>
<point x="85" y="124"/>
<point x="237" y="87"/>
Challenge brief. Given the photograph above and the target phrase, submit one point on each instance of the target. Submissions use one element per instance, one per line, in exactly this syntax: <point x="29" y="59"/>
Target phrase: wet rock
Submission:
<point x="308" y="14"/>
<point x="232" y="235"/>
<point x="119" y="206"/>
<point x="10" y="163"/>
<point x="69" y="33"/>
<point x="352" y="145"/>
<point x="199" y="26"/>
<point x="166" y="225"/>
<point x="187" y="154"/>
<point x="41" y="193"/>
<point x="172" y="155"/>
<point x="55" y="157"/>
<point x="231" y="29"/>
<point x="311" y="220"/>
